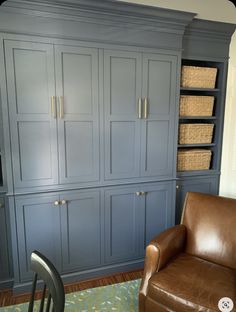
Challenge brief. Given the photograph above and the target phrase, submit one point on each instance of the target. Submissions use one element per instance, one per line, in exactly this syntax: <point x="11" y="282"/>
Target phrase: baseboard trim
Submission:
<point x="25" y="287"/>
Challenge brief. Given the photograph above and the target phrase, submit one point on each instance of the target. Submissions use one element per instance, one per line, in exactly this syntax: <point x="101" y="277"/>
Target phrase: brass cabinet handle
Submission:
<point x="139" y="108"/>
<point x="1" y="205"/>
<point x="56" y="203"/>
<point x="141" y="193"/>
<point x="145" y="108"/>
<point x="63" y="202"/>
<point x="61" y="107"/>
<point x="177" y="187"/>
<point x="53" y="107"/>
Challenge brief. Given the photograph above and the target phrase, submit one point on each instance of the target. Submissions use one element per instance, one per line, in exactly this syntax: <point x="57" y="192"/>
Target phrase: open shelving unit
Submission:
<point x="216" y="118"/>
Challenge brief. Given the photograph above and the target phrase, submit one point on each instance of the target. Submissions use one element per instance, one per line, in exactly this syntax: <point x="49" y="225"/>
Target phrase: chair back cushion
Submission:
<point x="211" y="228"/>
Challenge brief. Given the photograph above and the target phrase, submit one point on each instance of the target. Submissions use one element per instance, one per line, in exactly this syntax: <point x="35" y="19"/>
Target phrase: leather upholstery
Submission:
<point x="210" y="223"/>
<point x="191" y="266"/>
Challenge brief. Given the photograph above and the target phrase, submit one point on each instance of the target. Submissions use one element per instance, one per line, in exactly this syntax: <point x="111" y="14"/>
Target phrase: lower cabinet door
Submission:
<point x="158" y="210"/>
<point x="123" y="210"/>
<point x="194" y="184"/>
<point x="38" y="228"/>
<point x="4" y="257"/>
<point x="133" y="216"/>
<point x="81" y="221"/>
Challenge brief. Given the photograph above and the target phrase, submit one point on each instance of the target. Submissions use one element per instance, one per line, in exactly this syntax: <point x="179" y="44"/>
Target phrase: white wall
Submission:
<point x="223" y="11"/>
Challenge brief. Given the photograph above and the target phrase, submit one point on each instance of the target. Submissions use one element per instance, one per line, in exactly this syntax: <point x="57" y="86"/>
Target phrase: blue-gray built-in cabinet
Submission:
<point x="90" y="100"/>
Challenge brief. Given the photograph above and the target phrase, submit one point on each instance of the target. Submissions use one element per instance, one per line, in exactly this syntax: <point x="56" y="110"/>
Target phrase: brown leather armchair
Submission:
<point x="191" y="266"/>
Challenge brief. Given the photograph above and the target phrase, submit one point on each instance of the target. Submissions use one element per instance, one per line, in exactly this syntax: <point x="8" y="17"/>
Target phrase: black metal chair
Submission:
<point x="46" y="271"/>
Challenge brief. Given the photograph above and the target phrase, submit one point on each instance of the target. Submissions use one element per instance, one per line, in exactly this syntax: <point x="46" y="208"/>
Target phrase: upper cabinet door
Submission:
<point x="122" y="92"/>
<point x="31" y="85"/>
<point x="159" y="96"/>
<point x="77" y="99"/>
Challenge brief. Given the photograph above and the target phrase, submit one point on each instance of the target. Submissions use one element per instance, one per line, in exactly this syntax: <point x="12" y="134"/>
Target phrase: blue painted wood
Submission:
<point x="122" y="91"/>
<point x="133" y="216"/>
<point x="30" y="81"/>
<point x="158" y="209"/>
<point x="159" y="88"/>
<point x="202" y="184"/>
<point x="81" y="230"/>
<point x="121" y="224"/>
<point x="38" y="228"/>
<point x="4" y="243"/>
<point x="78" y="129"/>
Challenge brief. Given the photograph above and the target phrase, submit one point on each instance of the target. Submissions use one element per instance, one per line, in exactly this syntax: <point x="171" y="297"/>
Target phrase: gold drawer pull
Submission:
<point x="139" y="108"/>
<point x="53" y="107"/>
<point x="145" y="108"/>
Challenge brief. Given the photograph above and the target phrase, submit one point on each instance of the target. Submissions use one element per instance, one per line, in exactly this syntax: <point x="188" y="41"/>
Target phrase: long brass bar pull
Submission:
<point x="53" y="107"/>
<point x="61" y="109"/>
<point x="139" y="108"/>
<point x="145" y="108"/>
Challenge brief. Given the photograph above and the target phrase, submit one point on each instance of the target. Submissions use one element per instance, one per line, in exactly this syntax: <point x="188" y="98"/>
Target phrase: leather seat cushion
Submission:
<point x="189" y="283"/>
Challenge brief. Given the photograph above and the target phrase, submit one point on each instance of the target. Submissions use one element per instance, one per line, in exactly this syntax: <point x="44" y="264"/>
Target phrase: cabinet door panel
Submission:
<point x="38" y="228"/>
<point x="207" y="185"/>
<point x="159" y="88"/>
<point x="4" y="259"/>
<point x="77" y="84"/>
<point x="158" y="210"/>
<point x="30" y="80"/>
<point x="81" y="231"/>
<point x="122" y="89"/>
<point x="121" y="224"/>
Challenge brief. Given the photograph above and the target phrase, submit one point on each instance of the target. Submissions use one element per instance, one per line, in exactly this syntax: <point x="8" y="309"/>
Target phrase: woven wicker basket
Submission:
<point x="195" y="133"/>
<point x="193" y="159"/>
<point x="198" y="77"/>
<point x="193" y="105"/>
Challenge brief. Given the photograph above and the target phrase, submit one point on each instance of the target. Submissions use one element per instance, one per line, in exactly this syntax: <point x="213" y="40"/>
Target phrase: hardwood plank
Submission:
<point x="7" y="298"/>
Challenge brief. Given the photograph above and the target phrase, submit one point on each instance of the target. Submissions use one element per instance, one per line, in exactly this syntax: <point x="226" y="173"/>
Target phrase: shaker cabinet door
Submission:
<point x="122" y="218"/>
<point x="4" y="256"/>
<point x="38" y="228"/>
<point x="158" y="210"/>
<point x="159" y="96"/>
<point x="77" y="97"/>
<point x="122" y="92"/>
<point x="31" y="85"/>
<point x="81" y="230"/>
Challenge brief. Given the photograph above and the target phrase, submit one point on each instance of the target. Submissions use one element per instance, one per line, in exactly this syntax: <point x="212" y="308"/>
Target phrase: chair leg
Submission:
<point x="48" y="303"/>
<point x="43" y="299"/>
<point x="31" y="303"/>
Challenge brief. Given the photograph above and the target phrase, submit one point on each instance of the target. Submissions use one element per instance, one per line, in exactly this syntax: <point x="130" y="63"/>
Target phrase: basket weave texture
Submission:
<point x="193" y="105"/>
<point x="198" y="77"/>
<point x="193" y="159"/>
<point x="195" y="133"/>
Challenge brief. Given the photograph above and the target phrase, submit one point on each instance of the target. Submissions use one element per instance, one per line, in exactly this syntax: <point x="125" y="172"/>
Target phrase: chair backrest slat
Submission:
<point x="46" y="271"/>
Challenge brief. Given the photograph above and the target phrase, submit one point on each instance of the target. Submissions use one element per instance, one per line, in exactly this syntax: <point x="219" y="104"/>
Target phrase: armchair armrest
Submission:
<point x="158" y="253"/>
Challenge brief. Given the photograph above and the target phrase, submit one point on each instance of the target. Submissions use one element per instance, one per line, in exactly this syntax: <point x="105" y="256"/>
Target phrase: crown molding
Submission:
<point x="105" y="12"/>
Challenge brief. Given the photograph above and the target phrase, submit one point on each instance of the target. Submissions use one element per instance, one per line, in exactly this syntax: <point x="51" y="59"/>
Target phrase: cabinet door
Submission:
<point x="38" y="228"/>
<point x="122" y="214"/>
<point x="159" y="90"/>
<point x="4" y="259"/>
<point x="207" y="185"/>
<point x="122" y="91"/>
<point x="81" y="230"/>
<point x="158" y="210"/>
<point x="30" y="83"/>
<point x="78" y="132"/>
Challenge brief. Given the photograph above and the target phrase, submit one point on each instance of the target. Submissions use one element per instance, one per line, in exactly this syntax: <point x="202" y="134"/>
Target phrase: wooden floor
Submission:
<point x="7" y="298"/>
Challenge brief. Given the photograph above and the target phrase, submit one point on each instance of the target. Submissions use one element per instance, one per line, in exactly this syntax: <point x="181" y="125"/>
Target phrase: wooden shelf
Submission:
<point x="199" y="89"/>
<point x="198" y="117"/>
<point x="196" y="145"/>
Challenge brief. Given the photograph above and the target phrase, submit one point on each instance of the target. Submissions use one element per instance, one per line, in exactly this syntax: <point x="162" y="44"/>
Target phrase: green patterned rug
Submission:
<point x="121" y="297"/>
